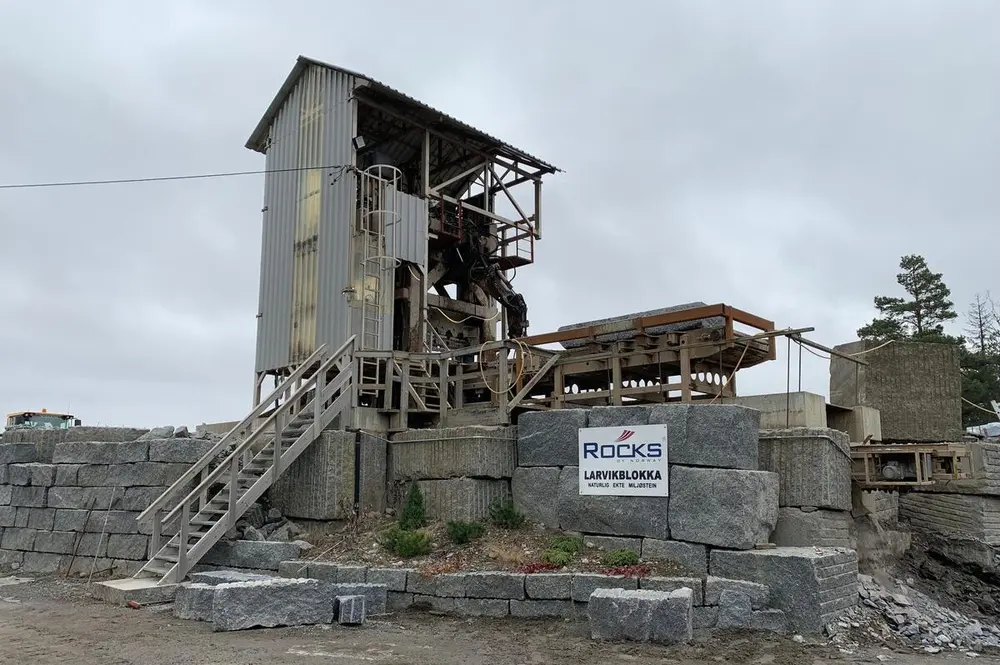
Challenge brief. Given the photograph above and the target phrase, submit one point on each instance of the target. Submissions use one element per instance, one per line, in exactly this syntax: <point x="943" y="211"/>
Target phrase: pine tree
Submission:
<point x="922" y="316"/>
<point x="981" y="362"/>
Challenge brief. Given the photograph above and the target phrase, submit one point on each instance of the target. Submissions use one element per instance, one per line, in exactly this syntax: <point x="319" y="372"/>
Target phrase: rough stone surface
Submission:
<point x="29" y="497"/>
<point x="397" y="601"/>
<point x="536" y="609"/>
<point x="38" y="562"/>
<point x="549" y="438"/>
<point x="453" y="452"/>
<point x="417" y="583"/>
<point x="434" y="604"/>
<point x="703" y="618"/>
<point x="373" y="469"/>
<point x="352" y="574"/>
<point x="549" y="586"/>
<point x="271" y="603"/>
<point x="462" y="499"/>
<point x="494" y="585"/>
<point x="822" y="528"/>
<point x="758" y="594"/>
<point x="610" y="543"/>
<point x="535" y="491"/>
<point x="482" y="607"/>
<point x="185" y="451"/>
<point x="122" y="546"/>
<point x="164" y="432"/>
<point x="394" y="579"/>
<point x="618" y="416"/>
<point x="813" y="586"/>
<point x="674" y="583"/>
<point x="215" y="577"/>
<point x="954" y="515"/>
<point x="144" y="474"/>
<point x="55" y="542"/>
<point x="773" y="621"/>
<point x="585" y="584"/>
<point x="693" y="557"/>
<point x="194" y="602"/>
<point x="641" y="616"/>
<point x="610" y="515"/>
<point x="16" y="453"/>
<point x="734" y="610"/>
<point x="715" y="435"/>
<point x="350" y="610"/>
<point x="251" y="554"/>
<point x="319" y="485"/>
<point x="813" y="466"/>
<point x="722" y="507"/>
<point x="451" y="585"/>
<point x="375" y="595"/>
<point x="90" y="452"/>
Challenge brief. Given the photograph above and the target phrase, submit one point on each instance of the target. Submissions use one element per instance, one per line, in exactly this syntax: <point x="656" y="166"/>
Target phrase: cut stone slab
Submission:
<point x="549" y="438"/>
<point x="352" y="574"/>
<point x="194" y="601"/>
<point x="261" y="555"/>
<point x="462" y="499"/>
<point x="373" y="469"/>
<point x="584" y="584"/>
<point x="813" y="586"/>
<point x="641" y="616"/>
<point x="548" y="586"/>
<point x="610" y="515"/>
<point x="693" y="557"/>
<point x="17" y="453"/>
<point x="758" y="594"/>
<point x="723" y="507"/>
<point x="508" y="586"/>
<point x="319" y="485"/>
<point x="674" y="583"/>
<point x="394" y="579"/>
<point x="453" y="452"/>
<point x="397" y="601"/>
<point x="714" y="435"/>
<point x="619" y="416"/>
<point x="184" y="451"/>
<point x="90" y="452"/>
<point x="145" y="591"/>
<point x="538" y="609"/>
<point x="535" y="491"/>
<point x="482" y="607"/>
<point x="704" y="618"/>
<point x="773" y="621"/>
<point x="375" y="595"/>
<point x="813" y="466"/>
<point x="820" y="528"/>
<point x="215" y="577"/>
<point x="271" y="603"/>
<point x="350" y="610"/>
<point x="734" y="610"/>
<point x="451" y="585"/>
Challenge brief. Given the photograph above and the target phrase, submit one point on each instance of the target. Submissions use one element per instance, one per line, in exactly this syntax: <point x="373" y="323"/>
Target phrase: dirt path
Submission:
<point x="52" y="621"/>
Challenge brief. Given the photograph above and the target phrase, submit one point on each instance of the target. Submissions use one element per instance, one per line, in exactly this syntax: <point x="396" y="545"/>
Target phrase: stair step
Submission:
<point x="172" y="558"/>
<point x="156" y="570"/>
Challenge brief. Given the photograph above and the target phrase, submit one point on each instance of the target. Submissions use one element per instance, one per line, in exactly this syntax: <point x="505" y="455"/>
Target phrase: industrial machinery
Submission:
<point x="41" y="420"/>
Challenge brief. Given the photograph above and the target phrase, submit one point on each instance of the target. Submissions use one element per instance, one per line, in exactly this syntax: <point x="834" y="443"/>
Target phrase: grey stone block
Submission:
<point x="122" y="546"/>
<point x="183" y="451"/>
<point x="693" y="557"/>
<point x="734" y="610"/>
<point x="93" y="475"/>
<point x="30" y="497"/>
<point x="98" y="498"/>
<point x="7" y="515"/>
<point x="354" y="574"/>
<point x="535" y="492"/>
<point x="216" y="577"/>
<point x="55" y="542"/>
<point x="549" y="586"/>
<point x="397" y="601"/>
<point x="819" y="528"/>
<point x="759" y="594"/>
<point x="11" y="559"/>
<point x="89" y="452"/>
<point x="462" y="499"/>
<point x="373" y="470"/>
<point x="704" y="618"/>
<point x="271" y="603"/>
<point x="482" y="607"/>
<point x="611" y="515"/>
<point x="6" y="493"/>
<point x="640" y="616"/>
<point x="549" y="438"/>
<point x="394" y="579"/>
<point x="376" y="596"/>
<point x="17" y="453"/>
<point x="254" y="554"/>
<point x="18" y="474"/>
<point x="420" y="584"/>
<point x="451" y="585"/>
<point x="37" y="562"/>
<point x="619" y="416"/>
<point x="293" y="569"/>
<point x="538" y="609"/>
<point x="350" y="610"/>
<point x="42" y="519"/>
<point x="31" y="473"/>
<point x="4" y="477"/>
<point x="434" y="604"/>
<point x="323" y="570"/>
<point x="69" y="520"/>
<point x="90" y="433"/>
<point x="714" y="435"/>
<point x="319" y="485"/>
<point x="674" y="583"/>
<point x="812" y="586"/>
<point x="92" y="544"/>
<point x="145" y="474"/>
<point x="454" y="452"/>
<point x="722" y="507"/>
<point x="773" y="621"/>
<point x="508" y="586"/>
<point x="165" y="432"/>
<point x="194" y="601"/>
<point x="113" y="521"/>
<point x="813" y="466"/>
<point x="66" y="474"/>
<point x="138" y="498"/>
<point x="584" y="584"/>
<point x="610" y="543"/>
<point x="21" y="517"/>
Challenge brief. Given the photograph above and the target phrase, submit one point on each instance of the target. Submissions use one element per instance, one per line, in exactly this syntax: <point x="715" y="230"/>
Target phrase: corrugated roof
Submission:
<point x="258" y="139"/>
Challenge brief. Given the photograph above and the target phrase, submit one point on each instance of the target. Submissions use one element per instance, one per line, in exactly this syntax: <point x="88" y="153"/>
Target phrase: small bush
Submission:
<point x="504" y="515"/>
<point x="570" y="544"/>
<point x="414" y="516"/>
<point x="461" y="533"/>
<point x="620" y="558"/>
<point x="405" y="543"/>
<point x="557" y="557"/>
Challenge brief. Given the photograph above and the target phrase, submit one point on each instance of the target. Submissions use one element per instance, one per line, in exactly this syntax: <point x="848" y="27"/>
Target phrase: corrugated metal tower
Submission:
<point x="385" y="219"/>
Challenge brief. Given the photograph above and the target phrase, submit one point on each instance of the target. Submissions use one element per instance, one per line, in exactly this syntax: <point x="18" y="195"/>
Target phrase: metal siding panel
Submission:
<point x="408" y="239"/>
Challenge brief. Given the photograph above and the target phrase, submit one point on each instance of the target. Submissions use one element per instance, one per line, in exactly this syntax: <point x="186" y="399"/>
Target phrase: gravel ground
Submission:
<point x="52" y="621"/>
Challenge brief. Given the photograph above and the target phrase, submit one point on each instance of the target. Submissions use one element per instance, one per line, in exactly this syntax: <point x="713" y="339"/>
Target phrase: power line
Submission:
<point x="199" y="176"/>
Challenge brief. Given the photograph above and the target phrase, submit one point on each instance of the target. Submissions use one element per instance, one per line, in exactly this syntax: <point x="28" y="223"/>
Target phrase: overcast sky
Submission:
<point x="776" y="156"/>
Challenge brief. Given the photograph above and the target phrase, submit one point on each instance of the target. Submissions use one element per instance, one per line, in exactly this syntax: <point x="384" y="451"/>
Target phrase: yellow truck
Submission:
<point x="41" y="420"/>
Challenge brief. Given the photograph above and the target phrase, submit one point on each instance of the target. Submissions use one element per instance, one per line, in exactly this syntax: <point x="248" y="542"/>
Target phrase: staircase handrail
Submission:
<point x="207" y="458"/>
<point x="226" y="464"/>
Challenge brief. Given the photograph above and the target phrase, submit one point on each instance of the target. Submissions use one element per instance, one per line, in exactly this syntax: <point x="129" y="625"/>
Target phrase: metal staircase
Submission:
<point x="217" y="493"/>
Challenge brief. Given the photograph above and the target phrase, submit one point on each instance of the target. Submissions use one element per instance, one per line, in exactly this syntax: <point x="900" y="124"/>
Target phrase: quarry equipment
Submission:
<point x="41" y="420"/>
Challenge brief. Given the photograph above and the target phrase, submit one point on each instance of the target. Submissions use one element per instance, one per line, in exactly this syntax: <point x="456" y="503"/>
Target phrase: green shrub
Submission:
<point x="570" y="544"/>
<point x="619" y="558"/>
<point x="504" y="515"/>
<point x="557" y="557"/>
<point x="464" y="532"/>
<point x="405" y="543"/>
<point x="414" y="516"/>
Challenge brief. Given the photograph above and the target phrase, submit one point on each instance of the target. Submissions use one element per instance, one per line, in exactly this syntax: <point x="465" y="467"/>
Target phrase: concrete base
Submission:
<point x="858" y="422"/>
<point x="145" y="591"/>
<point x="781" y="411"/>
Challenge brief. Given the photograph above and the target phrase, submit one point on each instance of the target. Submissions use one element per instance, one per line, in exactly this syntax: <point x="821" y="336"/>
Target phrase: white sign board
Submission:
<point x="624" y="461"/>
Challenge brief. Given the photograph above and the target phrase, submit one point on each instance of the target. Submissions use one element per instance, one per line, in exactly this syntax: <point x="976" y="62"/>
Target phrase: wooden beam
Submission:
<point x="543" y="370"/>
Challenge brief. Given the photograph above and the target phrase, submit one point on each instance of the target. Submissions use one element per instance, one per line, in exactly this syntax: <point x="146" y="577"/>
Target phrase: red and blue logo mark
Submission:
<point x="619" y="449"/>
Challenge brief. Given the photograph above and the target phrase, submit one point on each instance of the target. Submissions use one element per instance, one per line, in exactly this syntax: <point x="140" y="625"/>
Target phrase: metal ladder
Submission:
<point x="217" y="494"/>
